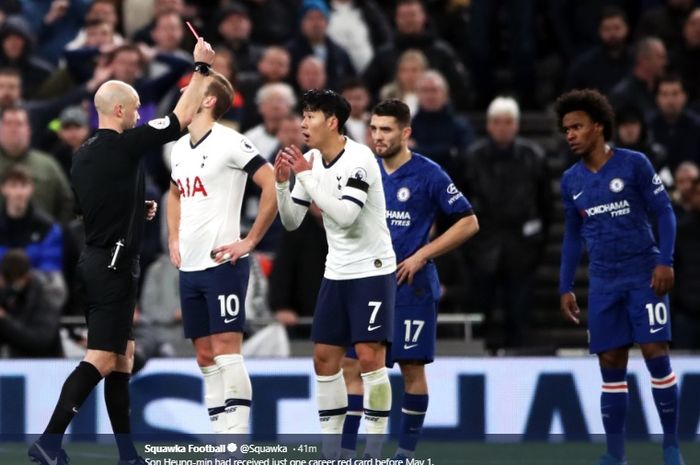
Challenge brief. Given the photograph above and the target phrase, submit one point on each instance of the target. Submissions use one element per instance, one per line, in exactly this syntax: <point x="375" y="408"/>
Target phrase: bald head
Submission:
<point x="117" y="102"/>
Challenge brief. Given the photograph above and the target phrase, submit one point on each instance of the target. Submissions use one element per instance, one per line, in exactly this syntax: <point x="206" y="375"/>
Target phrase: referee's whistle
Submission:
<point x="115" y="255"/>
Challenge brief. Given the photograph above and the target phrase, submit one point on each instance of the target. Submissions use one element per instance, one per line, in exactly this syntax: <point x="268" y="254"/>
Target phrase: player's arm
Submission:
<point x="263" y="177"/>
<point x="173" y="210"/>
<point x="570" y="256"/>
<point x="658" y="204"/>
<point x="456" y="235"/>
<point x="343" y="211"/>
<point x="292" y="205"/>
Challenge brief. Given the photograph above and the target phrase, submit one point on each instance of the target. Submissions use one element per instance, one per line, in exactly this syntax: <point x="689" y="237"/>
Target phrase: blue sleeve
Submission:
<point x="445" y="194"/>
<point x="50" y="257"/>
<point x="658" y="204"/>
<point x="572" y="243"/>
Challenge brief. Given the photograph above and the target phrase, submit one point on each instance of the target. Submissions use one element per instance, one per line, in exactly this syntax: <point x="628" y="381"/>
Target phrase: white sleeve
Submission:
<point x="291" y="205"/>
<point x="343" y="211"/>
<point x="242" y="153"/>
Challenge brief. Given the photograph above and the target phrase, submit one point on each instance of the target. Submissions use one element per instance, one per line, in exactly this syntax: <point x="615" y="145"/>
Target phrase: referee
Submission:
<point x="108" y="181"/>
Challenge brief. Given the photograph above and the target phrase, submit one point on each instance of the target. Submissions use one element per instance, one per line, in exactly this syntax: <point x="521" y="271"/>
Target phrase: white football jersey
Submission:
<point x="364" y="249"/>
<point x="211" y="178"/>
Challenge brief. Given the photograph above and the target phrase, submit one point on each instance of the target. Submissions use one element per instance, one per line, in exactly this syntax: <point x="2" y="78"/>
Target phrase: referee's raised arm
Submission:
<point x="191" y="98"/>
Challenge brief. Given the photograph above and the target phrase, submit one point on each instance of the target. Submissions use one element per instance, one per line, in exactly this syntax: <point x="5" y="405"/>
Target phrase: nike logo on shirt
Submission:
<point x="372" y="328"/>
<point x="655" y="330"/>
<point x="411" y="346"/>
<point x="576" y="196"/>
<point x="229" y="320"/>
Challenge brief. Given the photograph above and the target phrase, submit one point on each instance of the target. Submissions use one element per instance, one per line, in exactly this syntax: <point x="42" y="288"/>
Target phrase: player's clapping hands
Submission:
<point x="282" y="169"/>
<point x="408" y="268"/>
<point x="569" y="307"/>
<point x="203" y="52"/>
<point x="293" y="157"/>
<point x="662" y="279"/>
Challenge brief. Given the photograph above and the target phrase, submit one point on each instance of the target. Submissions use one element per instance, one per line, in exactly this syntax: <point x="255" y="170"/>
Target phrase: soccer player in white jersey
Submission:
<point x="210" y="168"/>
<point x="356" y="301"/>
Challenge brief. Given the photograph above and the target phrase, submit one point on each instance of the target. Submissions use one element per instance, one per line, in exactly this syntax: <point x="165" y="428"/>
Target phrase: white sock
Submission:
<point x="332" y="398"/>
<point x="214" y="397"/>
<point x="377" y="404"/>
<point x="238" y="392"/>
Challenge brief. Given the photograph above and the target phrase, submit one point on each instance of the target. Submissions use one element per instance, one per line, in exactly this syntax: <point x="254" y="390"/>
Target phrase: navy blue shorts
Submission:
<point x="619" y="319"/>
<point x="355" y="310"/>
<point x="213" y="300"/>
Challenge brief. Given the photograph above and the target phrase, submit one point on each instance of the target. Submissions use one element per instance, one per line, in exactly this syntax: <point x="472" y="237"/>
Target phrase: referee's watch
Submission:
<point x="202" y="68"/>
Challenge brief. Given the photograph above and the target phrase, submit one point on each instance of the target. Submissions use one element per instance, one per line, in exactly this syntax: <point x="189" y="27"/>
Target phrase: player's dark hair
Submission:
<point x="329" y="103"/>
<point x="394" y="108"/>
<point x="591" y="102"/>
<point x="222" y="89"/>
<point x="670" y="78"/>
<point x="613" y="11"/>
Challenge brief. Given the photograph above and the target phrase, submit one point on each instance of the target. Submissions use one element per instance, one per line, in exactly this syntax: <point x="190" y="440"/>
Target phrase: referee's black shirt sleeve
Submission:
<point x="151" y="135"/>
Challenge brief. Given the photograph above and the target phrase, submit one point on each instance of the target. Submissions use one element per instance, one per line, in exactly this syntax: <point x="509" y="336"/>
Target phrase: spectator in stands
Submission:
<point x="234" y="31"/>
<point x="357" y="95"/>
<point x="360" y="27"/>
<point x="103" y="10"/>
<point x="74" y="130"/>
<point x="297" y="272"/>
<point x="508" y="184"/>
<point x="631" y="132"/>
<point x="314" y="41"/>
<point x="412" y="33"/>
<point x="686" y="176"/>
<point x="484" y="23"/>
<point x="52" y="193"/>
<point x="29" y="321"/>
<point x="311" y="74"/>
<point x="685" y="59"/>
<point x="274" y="66"/>
<point x="167" y="34"/>
<point x="410" y="67"/>
<point x="17" y="51"/>
<point x="674" y="126"/>
<point x="161" y="7"/>
<point x="609" y="62"/>
<point x="272" y="20"/>
<point x="686" y="292"/>
<point x="275" y="102"/>
<point x="666" y="21"/>
<point x="55" y="23"/>
<point x="24" y="226"/>
<point x="41" y="112"/>
<point x="438" y="132"/>
<point x="637" y="89"/>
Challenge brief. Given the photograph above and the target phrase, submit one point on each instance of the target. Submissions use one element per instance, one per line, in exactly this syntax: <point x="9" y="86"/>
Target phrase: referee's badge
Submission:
<point x="403" y="194"/>
<point x="616" y="185"/>
<point x="160" y="123"/>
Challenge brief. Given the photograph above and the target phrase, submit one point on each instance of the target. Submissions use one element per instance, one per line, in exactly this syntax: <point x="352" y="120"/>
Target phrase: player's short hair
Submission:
<point x="328" y="102"/>
<point x="612" y="11"/>
<point x="591" y="102"/>
<point x="670" y="78"/>
<point x="222" y="89"/>
<point x="17" y="173"/>
<point x="394" y="108"/>
<point x="504" y="106"/>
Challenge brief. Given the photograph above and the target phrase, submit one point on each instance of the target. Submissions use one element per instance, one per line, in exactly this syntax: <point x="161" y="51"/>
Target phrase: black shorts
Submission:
<point x="110" y="298"/>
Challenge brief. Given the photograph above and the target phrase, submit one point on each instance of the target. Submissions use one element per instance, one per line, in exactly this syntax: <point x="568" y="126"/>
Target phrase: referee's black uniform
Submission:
<point x="108" y="179"/>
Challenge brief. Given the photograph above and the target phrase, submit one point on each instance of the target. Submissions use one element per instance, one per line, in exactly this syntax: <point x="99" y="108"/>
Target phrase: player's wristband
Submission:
<point x="202" y="68"/>
<point x="281" y="186"/>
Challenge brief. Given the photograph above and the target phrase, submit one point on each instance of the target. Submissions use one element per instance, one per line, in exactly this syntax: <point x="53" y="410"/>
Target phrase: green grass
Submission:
<point x="440" y="453"/>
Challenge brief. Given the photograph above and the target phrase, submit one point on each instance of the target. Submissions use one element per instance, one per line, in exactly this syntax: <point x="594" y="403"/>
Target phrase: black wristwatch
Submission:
<point x="202" y="68"/>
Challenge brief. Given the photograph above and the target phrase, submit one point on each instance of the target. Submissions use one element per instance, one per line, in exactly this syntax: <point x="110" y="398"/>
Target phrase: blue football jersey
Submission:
<point x="613" y="208"/>
<point x="414" y="194"/>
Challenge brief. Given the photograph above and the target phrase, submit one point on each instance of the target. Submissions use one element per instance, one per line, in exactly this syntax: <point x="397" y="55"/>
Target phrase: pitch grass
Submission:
<point x="440" y="453"/>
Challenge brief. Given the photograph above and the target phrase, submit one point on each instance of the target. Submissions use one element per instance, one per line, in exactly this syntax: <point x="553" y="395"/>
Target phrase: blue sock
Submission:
<point x="613" y="408"/>
<point x="352" y="422"/>
<point x="665" y="391"/>
<point x="413" y="411"/>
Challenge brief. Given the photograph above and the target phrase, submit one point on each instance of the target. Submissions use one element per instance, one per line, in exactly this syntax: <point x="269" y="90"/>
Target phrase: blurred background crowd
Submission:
<point x="479" y="77"/>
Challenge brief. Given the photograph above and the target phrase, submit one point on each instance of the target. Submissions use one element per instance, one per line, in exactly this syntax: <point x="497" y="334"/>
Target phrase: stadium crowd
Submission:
<point x="478" y="75"/>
